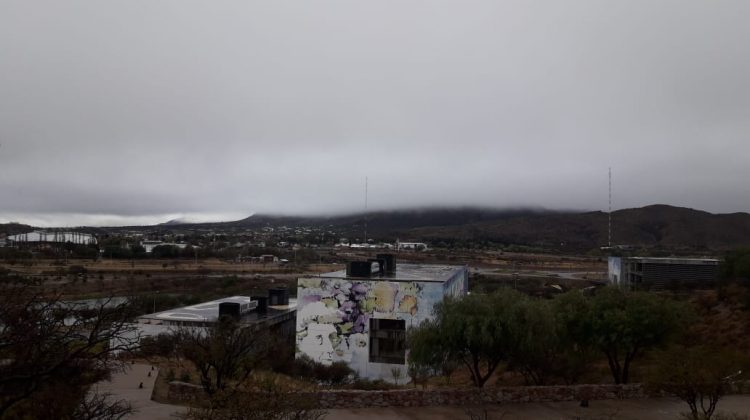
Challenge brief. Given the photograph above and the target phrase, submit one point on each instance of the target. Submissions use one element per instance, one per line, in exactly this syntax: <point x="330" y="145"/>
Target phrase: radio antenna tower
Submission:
<point x="609" y="223"/>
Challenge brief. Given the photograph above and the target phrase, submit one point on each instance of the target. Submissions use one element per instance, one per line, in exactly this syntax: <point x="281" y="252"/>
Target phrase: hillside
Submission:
<point x="651" y="226"/>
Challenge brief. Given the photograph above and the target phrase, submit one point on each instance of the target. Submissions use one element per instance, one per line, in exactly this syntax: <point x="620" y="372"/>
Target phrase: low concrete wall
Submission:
<point x="189" y="393"/>
<point x="183" y="392"/>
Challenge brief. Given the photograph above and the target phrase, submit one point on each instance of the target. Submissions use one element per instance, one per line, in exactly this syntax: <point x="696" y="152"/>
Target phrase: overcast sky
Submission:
<point x="119" y="112"/>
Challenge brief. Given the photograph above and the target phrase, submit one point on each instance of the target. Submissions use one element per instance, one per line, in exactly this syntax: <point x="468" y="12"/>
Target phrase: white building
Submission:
<point x="39" y="236"/>
<point x="414" y="246"/>
<point x="361" y="315"/>
<point x="150" y="245"/>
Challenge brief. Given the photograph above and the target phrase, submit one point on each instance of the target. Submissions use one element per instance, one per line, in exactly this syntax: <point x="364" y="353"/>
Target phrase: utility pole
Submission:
<point x="609" y="214"/>
<point x="366" y="212"/>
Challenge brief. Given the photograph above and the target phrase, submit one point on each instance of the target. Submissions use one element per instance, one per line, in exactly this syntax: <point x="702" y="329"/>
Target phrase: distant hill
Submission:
<point x="386" y="222"/>
<point x="652" y="226"/>
<point x="14" y="228"/>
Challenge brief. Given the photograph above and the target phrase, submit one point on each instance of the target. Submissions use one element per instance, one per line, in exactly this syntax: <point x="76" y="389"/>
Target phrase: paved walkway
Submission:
<point x="642" y="409"/>
<point x="124" y="385"/>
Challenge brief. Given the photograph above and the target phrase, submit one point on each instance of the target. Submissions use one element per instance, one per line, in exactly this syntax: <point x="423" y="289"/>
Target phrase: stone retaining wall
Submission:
<point x="469" y="396"/>
<point x="184" y="392"/>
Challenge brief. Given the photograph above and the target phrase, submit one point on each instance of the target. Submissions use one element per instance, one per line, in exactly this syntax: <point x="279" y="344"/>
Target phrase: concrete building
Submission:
<point x="640" y="273"/>
<point x="275" y="313"/>
<point x="361" y="315"/>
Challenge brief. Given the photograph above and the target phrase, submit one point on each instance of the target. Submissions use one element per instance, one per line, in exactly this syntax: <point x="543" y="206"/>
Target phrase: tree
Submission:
<point x="541" y="347"/>
<point x="736" y="264"/>
<point x="700" y="376"/>
<point x="54" y="351"/>
<point x="623" y="325"/>
<point x="475" y="330"/>
<point x="165" y="251"/>
<point x="222" y="353"/>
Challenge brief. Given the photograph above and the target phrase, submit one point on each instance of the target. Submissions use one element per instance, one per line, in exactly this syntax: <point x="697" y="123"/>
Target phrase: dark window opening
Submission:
<point x="388" y="341"/>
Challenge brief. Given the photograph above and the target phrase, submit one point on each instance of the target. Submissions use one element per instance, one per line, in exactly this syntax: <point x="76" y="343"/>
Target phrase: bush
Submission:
<point x="185" y="376"/>
<point x="338" y="373"/>
<point x="161" y="345"/>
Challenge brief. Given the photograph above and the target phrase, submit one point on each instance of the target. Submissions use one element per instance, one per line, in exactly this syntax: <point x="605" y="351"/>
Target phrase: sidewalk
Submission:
<point x="124" y="385"/>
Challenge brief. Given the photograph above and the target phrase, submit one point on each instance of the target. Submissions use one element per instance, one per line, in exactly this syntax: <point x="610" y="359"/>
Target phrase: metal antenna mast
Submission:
<point x="609" y="229"/>
<point x="365" y="210"/>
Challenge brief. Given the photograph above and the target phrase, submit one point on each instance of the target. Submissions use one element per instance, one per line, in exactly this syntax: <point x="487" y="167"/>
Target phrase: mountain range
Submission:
<point x="655" y="226"/>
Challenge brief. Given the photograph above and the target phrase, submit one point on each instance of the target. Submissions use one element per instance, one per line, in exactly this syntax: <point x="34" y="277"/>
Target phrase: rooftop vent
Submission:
<point x="262" y="304"/>
<point x="380" y="264"/>
<point x="229" y="308"/>
<point x="359" y="269"/>
<point x="278" y="296"/>
<point x="390" y="262"/>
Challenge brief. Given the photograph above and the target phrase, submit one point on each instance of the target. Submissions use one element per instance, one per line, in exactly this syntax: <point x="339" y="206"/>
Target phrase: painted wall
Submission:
<point x="333" y="316"/>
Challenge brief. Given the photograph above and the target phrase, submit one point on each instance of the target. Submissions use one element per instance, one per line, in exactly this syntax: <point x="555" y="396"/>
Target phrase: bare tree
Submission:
<point x="100" y="406"/>
<point x="224" y="354"/>
<point x="52" y="351"/>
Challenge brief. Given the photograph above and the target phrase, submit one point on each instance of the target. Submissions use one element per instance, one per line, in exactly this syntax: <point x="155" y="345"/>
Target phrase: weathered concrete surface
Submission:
<point x="637" y="409"/>
<point x="125" y="385"/>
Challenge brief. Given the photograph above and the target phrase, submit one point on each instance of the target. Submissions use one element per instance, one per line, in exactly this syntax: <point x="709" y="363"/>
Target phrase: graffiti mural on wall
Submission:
<point x="333" y="314"/>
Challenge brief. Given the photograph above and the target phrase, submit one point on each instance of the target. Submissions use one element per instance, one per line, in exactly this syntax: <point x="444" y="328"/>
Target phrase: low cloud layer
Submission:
<point x="136" y="111"/>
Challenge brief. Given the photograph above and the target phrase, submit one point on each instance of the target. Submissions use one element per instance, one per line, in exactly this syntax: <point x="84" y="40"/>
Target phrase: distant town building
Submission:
<point x="361" y="315"/>
<point x="268" y="258"/>
<point x="150" y="245"/>
<point x="640" y="273"/>
<point x="44" y="237"/>
<point x="414" y="246"/>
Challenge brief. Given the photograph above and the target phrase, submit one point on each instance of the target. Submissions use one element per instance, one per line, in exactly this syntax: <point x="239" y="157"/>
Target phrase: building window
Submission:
<point x="388" y="341"/>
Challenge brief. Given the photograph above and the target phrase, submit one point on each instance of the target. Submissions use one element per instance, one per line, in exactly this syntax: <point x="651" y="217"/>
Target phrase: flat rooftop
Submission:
<point x="407" y="272"/>
<point x="209" y="311"/>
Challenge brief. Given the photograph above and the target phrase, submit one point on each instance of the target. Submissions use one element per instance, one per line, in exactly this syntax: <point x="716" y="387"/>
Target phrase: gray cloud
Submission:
<point x="132" y="111"/>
